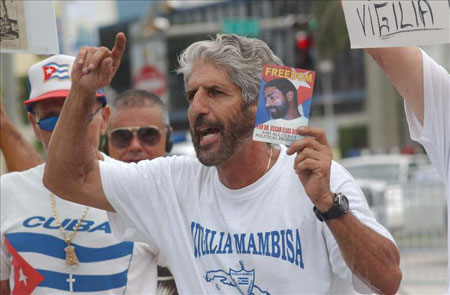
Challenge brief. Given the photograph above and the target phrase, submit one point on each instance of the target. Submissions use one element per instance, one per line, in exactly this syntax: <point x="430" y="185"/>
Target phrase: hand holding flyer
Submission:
<point x="284" y="104"/>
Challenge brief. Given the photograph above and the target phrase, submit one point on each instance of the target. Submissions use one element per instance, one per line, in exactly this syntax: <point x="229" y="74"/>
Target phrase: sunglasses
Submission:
<point x="147" y="135"/>
<point x="49" y="123"/>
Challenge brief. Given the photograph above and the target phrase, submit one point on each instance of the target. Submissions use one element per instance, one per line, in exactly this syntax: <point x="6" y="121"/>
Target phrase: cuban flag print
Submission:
<point x="26" y="278"/>
<point x="100" y="270"/>
<point x="58" y="71"/>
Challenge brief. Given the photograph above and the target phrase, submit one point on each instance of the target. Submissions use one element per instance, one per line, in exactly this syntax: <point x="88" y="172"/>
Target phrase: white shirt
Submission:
<point x="31" y="236"/>
<point x="294" y="123"/>
<point x="261" y="239"/>
<point x="434" y="135"/>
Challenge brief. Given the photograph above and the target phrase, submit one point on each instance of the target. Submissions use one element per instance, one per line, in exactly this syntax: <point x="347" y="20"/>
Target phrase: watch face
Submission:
<point x="340" y="208"/>
<point x="343" y="203"/>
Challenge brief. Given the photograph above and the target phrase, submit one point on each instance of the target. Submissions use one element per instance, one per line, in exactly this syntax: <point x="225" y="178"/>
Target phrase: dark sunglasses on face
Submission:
<point x="49" y="123"/>
<point x="147" y="135"/>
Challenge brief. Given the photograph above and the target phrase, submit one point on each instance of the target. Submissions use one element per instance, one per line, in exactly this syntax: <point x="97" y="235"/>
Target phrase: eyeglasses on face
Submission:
<point x="49" y="123"/>
<point x="147" y="135"/>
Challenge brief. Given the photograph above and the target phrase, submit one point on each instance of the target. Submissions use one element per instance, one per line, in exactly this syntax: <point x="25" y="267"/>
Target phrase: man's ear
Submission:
<point x="290" y="96"/>
<point x="35" y="127"/>
<point x="106" y="113"/>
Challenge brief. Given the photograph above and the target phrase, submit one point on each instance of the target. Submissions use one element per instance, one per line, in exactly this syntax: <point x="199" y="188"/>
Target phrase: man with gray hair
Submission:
<point x="133" y="110"/>
<point x="139" y="127"/>
<point x="239" y="219"/>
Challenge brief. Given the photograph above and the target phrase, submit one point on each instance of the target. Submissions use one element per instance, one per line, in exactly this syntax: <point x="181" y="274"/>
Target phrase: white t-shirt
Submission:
<point x="33" y="247"/>
<point x="261" y="239"/>
<point x="434" y="135"/>
<point x="294" y="124"/>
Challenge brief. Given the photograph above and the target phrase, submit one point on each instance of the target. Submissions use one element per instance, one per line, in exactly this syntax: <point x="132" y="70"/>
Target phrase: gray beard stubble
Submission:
<point x="234" y="133"/>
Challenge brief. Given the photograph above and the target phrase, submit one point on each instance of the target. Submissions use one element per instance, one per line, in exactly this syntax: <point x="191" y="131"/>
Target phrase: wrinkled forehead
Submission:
<point x="143" y="115"/>
<point x="208" y="73"/>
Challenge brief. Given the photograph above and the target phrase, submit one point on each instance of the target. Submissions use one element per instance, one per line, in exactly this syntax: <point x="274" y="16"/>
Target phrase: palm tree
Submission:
<point x="330" y="36"/>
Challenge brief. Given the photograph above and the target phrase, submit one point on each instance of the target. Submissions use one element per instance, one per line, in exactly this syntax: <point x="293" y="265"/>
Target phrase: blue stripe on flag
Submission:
<point x="52" y="246"/>
<point x="83" y="283"/>
<point x="58" y="77"/>
<point x="56" y="65"/>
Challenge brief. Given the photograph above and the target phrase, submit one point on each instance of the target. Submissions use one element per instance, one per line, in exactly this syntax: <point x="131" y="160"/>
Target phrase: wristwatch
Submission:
<point x="339" y="208"/>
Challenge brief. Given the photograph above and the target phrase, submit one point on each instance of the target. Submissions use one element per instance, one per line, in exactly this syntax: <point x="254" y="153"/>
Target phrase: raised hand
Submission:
<point x="313" y="164"/>
<point x="95" y="67"/>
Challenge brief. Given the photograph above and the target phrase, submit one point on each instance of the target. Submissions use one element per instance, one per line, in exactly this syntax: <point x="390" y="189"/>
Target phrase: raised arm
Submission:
<point x="404" y="67"/>
<point x="72" y="170"/>
<point x="19" y="154"/>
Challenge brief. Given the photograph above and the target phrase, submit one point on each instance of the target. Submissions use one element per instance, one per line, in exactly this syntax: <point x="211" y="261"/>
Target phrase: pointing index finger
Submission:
<point x="118" y="49"/>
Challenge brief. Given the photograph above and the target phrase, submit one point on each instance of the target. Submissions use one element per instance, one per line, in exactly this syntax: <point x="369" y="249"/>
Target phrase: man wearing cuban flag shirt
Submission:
<point x="35" y="223"/>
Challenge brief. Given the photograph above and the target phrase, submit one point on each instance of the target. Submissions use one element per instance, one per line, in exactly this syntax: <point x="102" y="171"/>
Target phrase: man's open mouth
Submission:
<point x="207" y="135"/>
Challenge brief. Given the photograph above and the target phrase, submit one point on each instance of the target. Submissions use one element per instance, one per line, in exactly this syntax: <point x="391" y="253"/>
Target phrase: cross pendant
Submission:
<point x="70" y="280"/>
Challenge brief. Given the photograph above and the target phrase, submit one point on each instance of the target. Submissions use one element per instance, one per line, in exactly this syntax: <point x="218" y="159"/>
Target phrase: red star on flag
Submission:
<point x="26" y="278"/>
<point x="48" y="72"/>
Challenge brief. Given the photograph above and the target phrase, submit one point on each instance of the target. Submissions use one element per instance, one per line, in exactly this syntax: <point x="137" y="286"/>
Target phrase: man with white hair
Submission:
<point x="244" y="217"/>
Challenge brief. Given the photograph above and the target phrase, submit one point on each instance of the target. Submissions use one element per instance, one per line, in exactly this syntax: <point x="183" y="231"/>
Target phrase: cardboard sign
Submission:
<point x="28" y="26"/>
<point x="374" y="23"/>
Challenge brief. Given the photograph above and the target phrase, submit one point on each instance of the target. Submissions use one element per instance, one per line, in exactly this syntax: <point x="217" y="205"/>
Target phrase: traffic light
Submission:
<point x="303" y="53"/>
<point x="304" y="40"/>
<point x="304" y="44"/>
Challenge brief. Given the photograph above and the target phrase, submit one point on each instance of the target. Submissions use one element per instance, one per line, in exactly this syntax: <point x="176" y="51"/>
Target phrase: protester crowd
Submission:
<point x="242" y="216"/>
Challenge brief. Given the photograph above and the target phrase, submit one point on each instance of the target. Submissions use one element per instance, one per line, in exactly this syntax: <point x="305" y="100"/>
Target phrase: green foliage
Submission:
<point x="22" y="95"/>
<point x="330" y="36"/>
<point x="353" y="137"/>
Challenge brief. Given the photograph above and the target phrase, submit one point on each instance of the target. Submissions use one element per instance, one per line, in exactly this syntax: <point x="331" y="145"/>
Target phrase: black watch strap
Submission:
<point x="339" y="208"/>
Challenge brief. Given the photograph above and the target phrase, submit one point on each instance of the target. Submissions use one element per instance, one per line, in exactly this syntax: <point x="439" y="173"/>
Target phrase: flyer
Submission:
<point x="28" y="27"/>
<point x="284" y="104"/>
<point x="13" y="34"/>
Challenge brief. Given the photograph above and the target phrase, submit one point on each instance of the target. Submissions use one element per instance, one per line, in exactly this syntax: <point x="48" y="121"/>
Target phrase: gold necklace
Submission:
<point x="270" y="159"/>
<point x="71" y="256"/>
